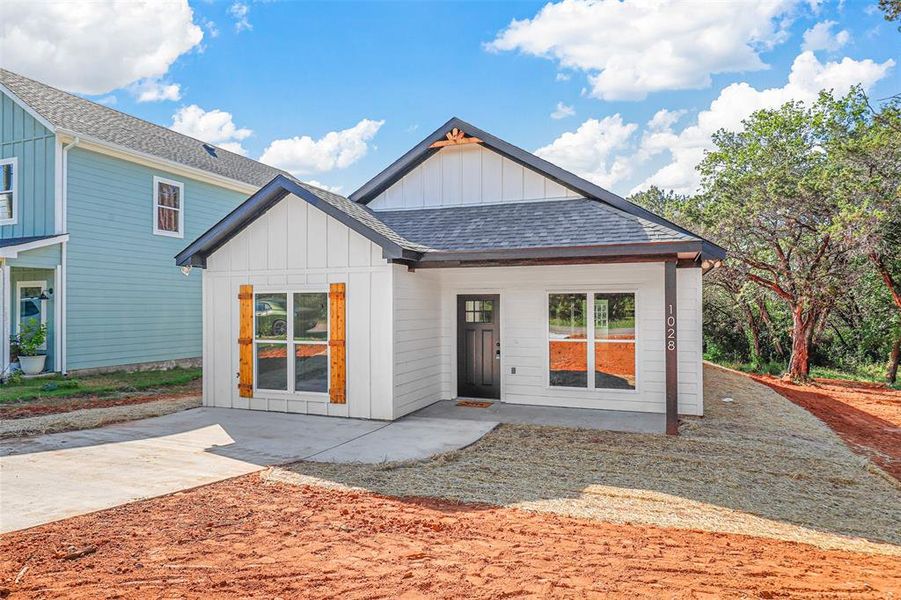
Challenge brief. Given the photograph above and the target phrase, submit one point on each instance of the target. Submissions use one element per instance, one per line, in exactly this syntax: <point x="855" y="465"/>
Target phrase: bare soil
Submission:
<point x="246" y="538"/>
<point x="48" y="406"/>
<point x="88" y="418"/>
<point x="756" y="464"/>
<point x="867" y="416"/>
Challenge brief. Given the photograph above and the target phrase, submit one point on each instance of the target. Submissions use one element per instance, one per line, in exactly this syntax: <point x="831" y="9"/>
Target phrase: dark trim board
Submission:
<point x="671" y="348"/>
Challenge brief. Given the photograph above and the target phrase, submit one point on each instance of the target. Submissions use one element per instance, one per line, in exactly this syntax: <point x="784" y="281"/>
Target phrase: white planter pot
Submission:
<point x="32" y="365"/>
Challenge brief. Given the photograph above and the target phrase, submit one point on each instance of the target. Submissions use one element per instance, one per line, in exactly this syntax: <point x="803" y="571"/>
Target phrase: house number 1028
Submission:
<point x="670" y="328"/>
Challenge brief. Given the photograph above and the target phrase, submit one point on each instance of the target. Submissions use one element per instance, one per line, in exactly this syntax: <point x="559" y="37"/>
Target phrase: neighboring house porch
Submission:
<point x="30" y="281"/>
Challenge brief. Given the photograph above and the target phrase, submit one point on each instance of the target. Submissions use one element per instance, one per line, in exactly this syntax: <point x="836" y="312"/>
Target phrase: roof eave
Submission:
<point x="643" y="249"/>
<point x="196" y="254"/>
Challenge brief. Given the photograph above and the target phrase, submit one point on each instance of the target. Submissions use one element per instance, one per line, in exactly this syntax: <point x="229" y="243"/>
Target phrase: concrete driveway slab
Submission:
<point x="60" y="475"/>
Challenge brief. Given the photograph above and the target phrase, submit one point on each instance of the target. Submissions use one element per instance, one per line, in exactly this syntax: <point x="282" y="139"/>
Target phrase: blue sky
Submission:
<point x="641" y="87"/>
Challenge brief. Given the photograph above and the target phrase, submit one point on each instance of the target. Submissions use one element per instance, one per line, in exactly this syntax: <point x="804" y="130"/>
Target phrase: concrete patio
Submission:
<point x="583" y="418"/>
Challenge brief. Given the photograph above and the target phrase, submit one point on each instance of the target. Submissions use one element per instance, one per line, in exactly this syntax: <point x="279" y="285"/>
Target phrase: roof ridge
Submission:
<point x="161" y="128"/>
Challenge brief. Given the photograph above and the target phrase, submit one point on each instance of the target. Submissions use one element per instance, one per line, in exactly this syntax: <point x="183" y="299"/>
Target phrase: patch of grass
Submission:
<point x="95" y="385"/>
<point x="867" y="373"/>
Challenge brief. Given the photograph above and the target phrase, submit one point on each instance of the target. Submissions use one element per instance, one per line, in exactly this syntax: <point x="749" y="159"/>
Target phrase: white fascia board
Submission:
<point x="13" y="251"/>
<point x="115" y="150"/>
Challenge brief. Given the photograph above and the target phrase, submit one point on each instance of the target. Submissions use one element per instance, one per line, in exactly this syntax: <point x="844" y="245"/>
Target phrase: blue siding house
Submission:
<point x="94" y="204"/>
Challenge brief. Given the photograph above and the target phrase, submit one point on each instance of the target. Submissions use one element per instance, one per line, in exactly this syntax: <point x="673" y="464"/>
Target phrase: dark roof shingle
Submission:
<point x="548" y="224"/>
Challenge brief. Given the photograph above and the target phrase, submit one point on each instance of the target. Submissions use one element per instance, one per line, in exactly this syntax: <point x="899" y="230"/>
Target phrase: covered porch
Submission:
<point x="31" y="283"/>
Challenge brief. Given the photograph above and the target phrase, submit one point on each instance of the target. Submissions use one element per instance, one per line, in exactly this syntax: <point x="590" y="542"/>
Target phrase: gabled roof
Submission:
<point x="355" y="216"/>
<point x="69" y="113"/>
<point x="602" y="225"/>
<point x="419" y="153"/>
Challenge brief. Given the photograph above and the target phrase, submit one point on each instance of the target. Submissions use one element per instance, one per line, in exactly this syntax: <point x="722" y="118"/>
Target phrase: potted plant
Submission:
<point x="31" y="340"/>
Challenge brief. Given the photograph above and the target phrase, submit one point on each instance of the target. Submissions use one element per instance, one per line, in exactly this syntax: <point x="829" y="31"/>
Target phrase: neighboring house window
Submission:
<point x="295" y="325"/>
<point x="579" y="345"/>
<point x="9" y="168"/>
<point x="30" y="305"/>
<point x="168" y="207"/>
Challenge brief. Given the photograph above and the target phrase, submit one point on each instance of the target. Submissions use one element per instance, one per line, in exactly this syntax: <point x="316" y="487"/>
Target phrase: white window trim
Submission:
<point x="589" y="341"/>
<point x="289" y="342"/>
<point x="25" y="284"/>
<point x="14" y="206"/>
<point x="156" y="207"/>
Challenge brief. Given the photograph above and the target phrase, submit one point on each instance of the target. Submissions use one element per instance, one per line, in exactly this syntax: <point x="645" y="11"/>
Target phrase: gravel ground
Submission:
<point x="94" y="417"/>
<point x="758" y="465"/>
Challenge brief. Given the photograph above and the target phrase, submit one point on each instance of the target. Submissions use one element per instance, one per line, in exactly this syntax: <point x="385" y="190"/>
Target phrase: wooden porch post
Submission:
<point x="672" y="358"/>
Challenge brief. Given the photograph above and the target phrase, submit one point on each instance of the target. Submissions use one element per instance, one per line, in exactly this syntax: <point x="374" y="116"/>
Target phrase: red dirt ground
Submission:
<point x="867" y="416"/>
<point x="244" y="538"/>
<point x="613" y="358"/>
<point x="48" y="406"/>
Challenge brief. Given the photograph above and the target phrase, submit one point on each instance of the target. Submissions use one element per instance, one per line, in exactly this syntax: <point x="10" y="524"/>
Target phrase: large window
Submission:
<point x="295" y="325"/>
<point x="592" y="334"/>
<point x="168" y="207"/>
<point x="8" y="193"/>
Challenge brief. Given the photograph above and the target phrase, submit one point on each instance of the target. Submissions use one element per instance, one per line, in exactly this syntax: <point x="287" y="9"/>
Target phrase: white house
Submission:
<point x="468" y="268"/>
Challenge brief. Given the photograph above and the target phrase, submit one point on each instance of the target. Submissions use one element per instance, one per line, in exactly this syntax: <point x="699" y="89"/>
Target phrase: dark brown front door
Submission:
<point x="478" y="346"/>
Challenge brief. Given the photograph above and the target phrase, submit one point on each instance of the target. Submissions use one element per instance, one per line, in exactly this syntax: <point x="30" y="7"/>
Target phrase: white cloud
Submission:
<point x="211" y="27"/>
<point x="630" y="48"/>
<point x="563" y="76"/>
<point x="213" y="126"/>
<point x="95" y="47"/>
<point x="155" y="90"/>
<point x="331" y="188"/>
<point x="562" y="111"/>
<point x="664" y="119"/>
<point x="303" y="155"/>
<point x="736" y="102"/>
<point x="107" y="100"/>
<point x="820" y="37"/>
<point x="588" y="150"/>
<point x="239" y="12"/>
<point x="606" y="152"/>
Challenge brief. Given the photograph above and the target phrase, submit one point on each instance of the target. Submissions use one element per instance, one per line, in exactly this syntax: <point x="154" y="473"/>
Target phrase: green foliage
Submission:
<point x="106" y="384"/>
<point x="31" y="338"/>
<point x="807" y="200"/>
<point x="891" y="10"/>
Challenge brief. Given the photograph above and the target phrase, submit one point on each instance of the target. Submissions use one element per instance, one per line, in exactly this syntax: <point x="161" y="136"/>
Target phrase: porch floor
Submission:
<point x="585" y="418"/>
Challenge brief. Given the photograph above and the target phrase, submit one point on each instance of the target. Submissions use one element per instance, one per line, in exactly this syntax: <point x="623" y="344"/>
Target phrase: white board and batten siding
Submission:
<point x="468" y="175"/>
<point x="425" y="334"/>
<point x="295" y="247"/>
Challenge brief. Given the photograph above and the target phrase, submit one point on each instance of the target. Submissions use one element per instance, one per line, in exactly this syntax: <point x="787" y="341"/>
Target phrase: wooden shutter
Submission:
<point x="245" y="342"/>
<point x="338" y="351"/>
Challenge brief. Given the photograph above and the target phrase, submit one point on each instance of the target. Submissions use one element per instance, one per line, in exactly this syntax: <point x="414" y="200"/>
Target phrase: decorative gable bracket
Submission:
<point x="455" y="137"/>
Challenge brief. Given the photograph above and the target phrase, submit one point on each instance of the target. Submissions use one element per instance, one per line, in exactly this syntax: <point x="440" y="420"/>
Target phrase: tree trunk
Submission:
<point x="754" y="329"/>
<point x="891" y="374"/>
<point x="765" y="316"/>
<point x="802" y="332"/>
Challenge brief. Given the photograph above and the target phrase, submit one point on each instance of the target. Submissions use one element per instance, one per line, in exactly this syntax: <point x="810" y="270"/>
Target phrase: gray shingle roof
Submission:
<point x="550" y="224"/>
<point x="65" y="111"/>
